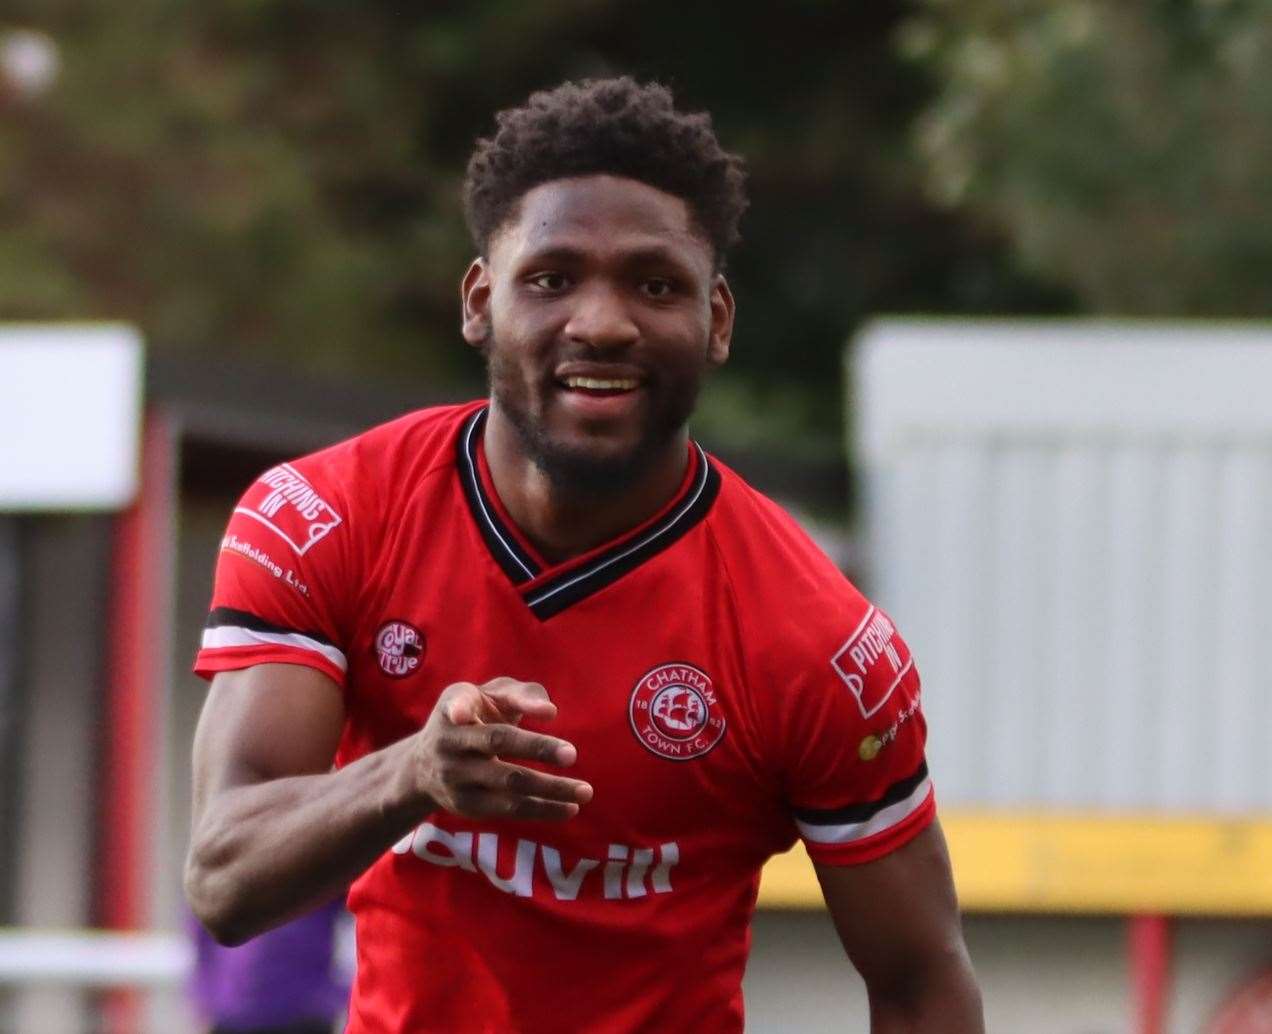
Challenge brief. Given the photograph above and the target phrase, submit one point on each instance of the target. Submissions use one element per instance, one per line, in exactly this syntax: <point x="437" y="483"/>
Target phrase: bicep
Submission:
<point x="895" y="913"/>
<point x="265" y="722"/>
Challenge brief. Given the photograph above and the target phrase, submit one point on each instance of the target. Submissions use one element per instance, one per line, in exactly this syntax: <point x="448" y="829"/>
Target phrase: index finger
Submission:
<point x="507" y="741"/>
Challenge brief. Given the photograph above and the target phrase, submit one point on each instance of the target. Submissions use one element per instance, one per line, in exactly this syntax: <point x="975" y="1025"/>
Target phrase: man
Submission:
<point x="578" y="680"/>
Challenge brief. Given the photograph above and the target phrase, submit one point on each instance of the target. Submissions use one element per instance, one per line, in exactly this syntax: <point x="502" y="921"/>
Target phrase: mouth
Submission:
<point x="600" y="386"/>
<point x="600" y="393"/>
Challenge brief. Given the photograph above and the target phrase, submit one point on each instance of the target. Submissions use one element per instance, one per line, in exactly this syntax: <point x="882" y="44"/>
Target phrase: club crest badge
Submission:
<point x="675" y="712"/>
<point x="399" y="648"/>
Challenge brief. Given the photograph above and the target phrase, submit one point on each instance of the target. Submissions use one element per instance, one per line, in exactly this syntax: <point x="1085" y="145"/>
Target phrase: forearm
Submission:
<point x="264" y="852"/>
<point x="267" y="845"/>
<point x="939" y="999"/>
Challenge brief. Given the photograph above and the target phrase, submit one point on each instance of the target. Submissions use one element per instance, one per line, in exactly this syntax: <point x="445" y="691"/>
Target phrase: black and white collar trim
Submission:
<point x="546" y="593"/>
<point x="517" y="564"/>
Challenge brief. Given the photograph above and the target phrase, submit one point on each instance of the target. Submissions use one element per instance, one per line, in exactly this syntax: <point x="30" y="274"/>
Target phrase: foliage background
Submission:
<point x="279" y="179"/>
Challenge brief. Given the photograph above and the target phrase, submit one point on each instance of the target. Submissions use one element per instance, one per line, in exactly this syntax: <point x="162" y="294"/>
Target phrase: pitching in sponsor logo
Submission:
<point x="283" y="500"/>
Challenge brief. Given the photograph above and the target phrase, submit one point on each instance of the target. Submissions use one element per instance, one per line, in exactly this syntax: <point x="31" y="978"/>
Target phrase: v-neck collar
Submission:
<point x="549" y="589"/>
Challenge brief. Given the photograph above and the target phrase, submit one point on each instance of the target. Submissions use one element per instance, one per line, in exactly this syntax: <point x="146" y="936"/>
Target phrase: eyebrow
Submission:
<point x="552" y="253"/>
<point x="645" y="255"/>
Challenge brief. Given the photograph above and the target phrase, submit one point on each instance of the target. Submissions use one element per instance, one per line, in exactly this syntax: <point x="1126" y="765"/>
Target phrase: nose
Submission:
<point x="600" y="318"/>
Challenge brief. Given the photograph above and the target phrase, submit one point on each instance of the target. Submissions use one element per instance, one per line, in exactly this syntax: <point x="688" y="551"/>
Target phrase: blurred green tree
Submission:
<point x="1126" y="148"/>
<point x="280" y="178"/>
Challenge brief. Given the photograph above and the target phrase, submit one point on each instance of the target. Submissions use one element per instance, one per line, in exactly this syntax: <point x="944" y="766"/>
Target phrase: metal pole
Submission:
<point x="1149" y="951"/>
<point x="11" y="712"/>
<point x="10" y="709"/>
<point x="141" y="568"/>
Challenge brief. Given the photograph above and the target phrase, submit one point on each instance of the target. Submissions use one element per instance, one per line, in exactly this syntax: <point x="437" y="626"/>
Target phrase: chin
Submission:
<point x="592" y="468"/>
<point x="591" y="456"/>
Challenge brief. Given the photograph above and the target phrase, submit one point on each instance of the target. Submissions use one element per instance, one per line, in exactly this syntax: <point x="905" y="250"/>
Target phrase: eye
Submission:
<point x="658" y="287"/>
<point x="550" y="282"/>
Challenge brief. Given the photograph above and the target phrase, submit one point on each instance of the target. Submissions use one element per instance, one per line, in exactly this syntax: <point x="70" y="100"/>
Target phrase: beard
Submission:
<point x="579" y="471"/>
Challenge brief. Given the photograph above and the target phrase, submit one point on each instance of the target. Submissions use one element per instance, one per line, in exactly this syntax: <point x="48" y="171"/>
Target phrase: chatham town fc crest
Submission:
<point x="399" y="648"/>
<point x="675" y="713"/>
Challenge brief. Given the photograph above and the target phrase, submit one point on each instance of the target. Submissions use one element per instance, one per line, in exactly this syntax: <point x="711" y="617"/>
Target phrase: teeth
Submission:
<point x="598" y="384"/>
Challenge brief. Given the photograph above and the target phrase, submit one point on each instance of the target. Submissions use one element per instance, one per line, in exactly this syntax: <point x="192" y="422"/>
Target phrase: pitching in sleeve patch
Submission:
<point x="873" y="661"/>
<point x="283" y="500"/>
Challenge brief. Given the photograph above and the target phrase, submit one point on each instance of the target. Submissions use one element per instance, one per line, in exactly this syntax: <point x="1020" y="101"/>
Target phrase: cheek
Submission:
<point x="687" y="345"/>
<point x="513" y="371"/>
<point x="526" y="334"/>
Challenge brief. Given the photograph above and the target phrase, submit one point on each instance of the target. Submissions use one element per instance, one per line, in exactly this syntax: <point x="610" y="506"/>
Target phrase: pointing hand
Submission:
<point x="461" y="754"/>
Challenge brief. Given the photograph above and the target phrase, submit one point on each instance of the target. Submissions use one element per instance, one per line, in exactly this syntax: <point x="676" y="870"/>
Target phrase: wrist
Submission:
<point x="404" y="803"/>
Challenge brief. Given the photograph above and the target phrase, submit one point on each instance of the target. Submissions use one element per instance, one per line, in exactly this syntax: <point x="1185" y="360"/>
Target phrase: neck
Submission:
<point x="564" y="522"/>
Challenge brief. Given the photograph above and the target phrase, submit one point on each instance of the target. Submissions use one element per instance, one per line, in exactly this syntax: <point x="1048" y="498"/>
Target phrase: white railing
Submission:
<point x="93" y="958"/>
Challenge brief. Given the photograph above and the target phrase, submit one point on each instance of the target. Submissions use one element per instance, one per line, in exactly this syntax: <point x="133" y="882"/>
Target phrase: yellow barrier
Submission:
<point x="1087" y="864"/>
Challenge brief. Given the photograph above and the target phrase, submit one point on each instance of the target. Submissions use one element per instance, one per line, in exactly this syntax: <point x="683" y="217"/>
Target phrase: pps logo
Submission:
<point x="675" y="713"/>
<point x="399" y="648"/>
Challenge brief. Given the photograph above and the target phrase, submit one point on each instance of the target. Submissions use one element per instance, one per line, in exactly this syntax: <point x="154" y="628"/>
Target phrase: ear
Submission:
<point x="722" y="310"/>
<point x="474" y="295"/>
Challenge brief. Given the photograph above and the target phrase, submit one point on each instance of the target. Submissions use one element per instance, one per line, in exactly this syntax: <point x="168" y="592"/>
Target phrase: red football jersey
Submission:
<point x="726" y="687"/>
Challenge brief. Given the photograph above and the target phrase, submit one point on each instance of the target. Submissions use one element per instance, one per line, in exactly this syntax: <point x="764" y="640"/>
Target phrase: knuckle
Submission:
<point x="497" y="738"/>
<point x="546" y="809"/>
<point x="465" y="800"/>
<point x="531" y="808"/>
<point x="455" y="689"/>
<point x="442" y="710"/>
<point x="516" y="780"/>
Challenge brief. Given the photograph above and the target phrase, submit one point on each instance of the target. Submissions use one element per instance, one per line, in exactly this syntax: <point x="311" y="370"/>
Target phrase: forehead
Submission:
<point x="599" y="215"/>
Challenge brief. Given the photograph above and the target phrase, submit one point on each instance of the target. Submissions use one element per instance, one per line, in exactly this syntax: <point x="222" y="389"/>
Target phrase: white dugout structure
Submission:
<point x="1072" y="519"/>
<point x="1067" y="520"/>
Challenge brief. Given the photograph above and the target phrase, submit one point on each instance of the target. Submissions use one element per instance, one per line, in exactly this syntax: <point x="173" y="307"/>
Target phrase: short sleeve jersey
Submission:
<point x="728" y="691"/>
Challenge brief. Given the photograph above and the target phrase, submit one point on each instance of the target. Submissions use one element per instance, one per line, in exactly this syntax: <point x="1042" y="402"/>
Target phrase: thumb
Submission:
<point x="466" y="705"/>
<point x="515" y="699"/>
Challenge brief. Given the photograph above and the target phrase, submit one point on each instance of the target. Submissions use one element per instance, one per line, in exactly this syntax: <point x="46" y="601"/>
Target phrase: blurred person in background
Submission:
<point x="286" y="981"/>
<point x="423" y="603"/>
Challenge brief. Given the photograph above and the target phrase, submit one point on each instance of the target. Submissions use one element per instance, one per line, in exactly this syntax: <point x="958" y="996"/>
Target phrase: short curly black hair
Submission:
<point x="615" y="126"/>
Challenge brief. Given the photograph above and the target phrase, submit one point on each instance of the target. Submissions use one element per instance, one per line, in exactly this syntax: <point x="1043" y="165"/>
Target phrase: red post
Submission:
<point x="1149" y="951"/>
<point x="140" y="586"/>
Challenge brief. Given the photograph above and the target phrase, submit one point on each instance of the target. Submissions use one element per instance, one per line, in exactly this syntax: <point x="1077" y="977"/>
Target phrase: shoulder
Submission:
<point x="773" y="563"/>
<point x="797" y="611"/>
<point x="332" y="493"/>
<point x="830" y="675"/>
<point x="406" y="448"/>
